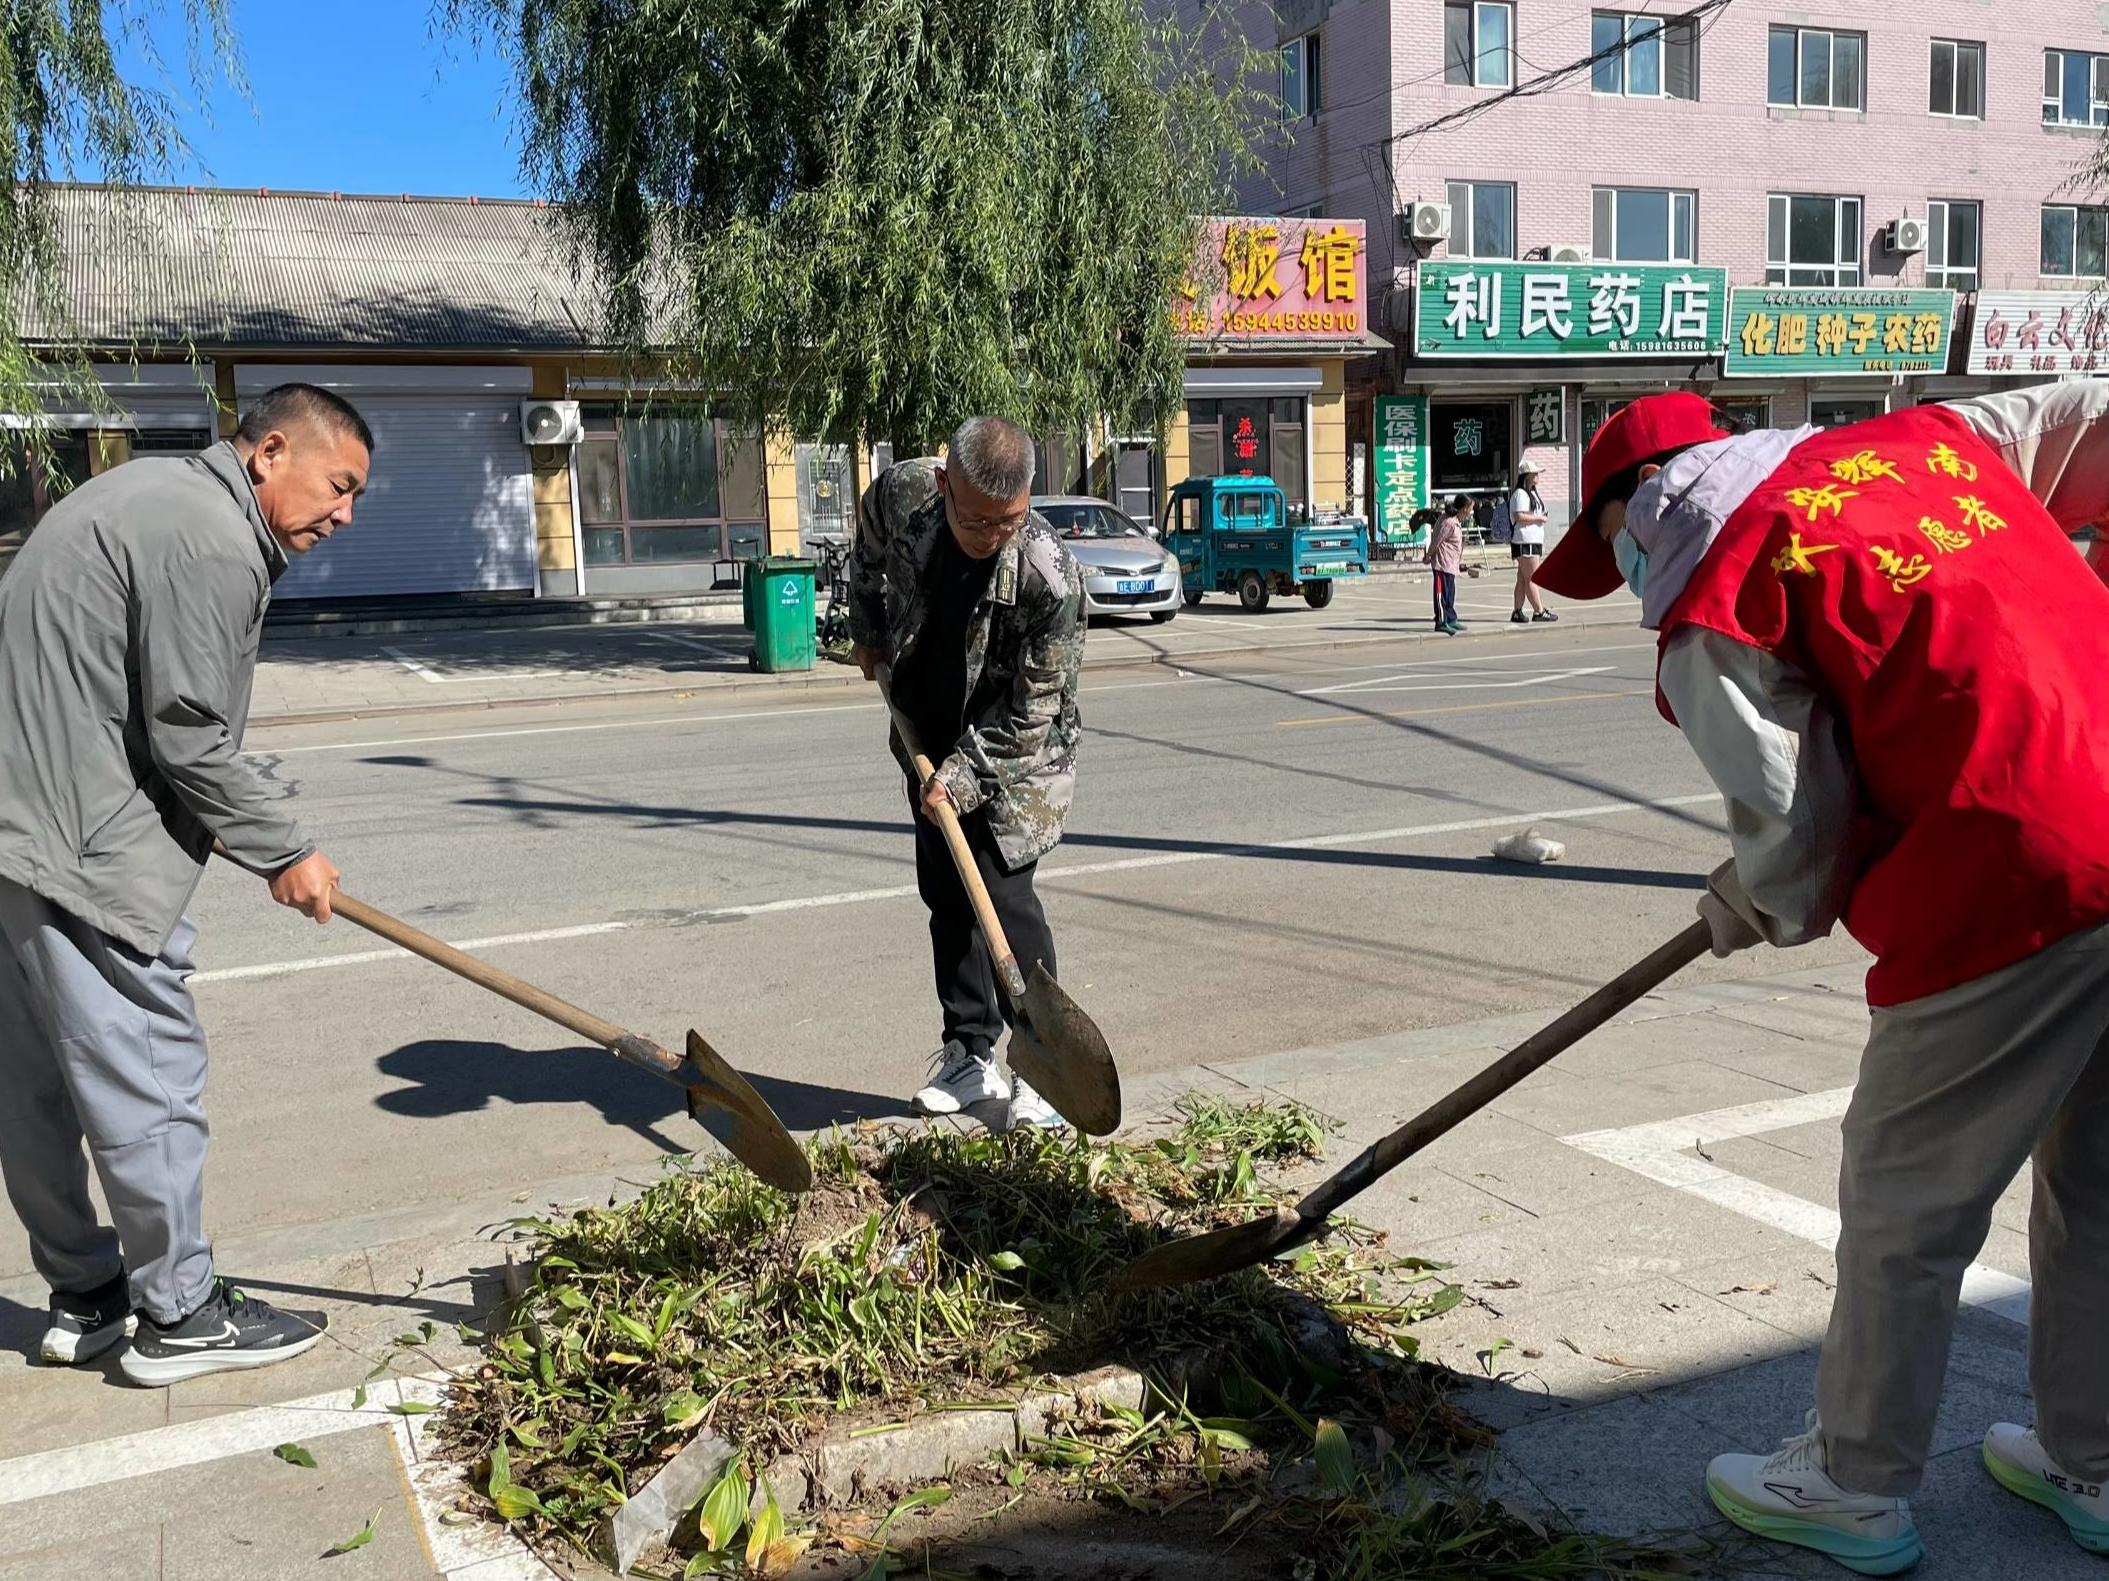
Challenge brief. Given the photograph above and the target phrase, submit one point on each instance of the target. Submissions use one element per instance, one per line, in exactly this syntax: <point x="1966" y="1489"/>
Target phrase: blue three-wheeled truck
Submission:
<point x="1233" y="535"/>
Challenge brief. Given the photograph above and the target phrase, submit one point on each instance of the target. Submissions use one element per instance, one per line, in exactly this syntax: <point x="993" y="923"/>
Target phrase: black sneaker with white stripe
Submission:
<point x="231" y="1332"/>
<point x="85" y="1324"/>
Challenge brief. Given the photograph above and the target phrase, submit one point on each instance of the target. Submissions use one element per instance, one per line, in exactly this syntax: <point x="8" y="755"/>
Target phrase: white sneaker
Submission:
<point x="1029" y="1108"/>
<point x="1789" y="1497"/>
<point x="2017" y="1462"/>
<point x="961" y="1080"/>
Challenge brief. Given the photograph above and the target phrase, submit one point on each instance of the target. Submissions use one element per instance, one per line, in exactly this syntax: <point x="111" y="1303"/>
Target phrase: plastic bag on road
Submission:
<point x="1529" y="846"/>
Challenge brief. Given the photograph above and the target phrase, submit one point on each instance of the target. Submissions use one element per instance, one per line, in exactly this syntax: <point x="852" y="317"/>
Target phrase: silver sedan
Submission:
<point x="1126" y="571"/>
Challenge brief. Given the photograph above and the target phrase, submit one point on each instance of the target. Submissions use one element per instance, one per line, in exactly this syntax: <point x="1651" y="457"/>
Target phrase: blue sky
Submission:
<point x="351" y="98"/>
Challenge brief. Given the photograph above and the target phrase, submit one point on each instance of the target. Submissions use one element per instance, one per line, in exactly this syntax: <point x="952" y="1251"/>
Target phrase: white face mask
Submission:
<point x="1632" y="561"/>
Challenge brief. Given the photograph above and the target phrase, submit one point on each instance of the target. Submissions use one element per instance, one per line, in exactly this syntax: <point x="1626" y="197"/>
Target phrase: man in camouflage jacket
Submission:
<point x="978" y="608"/>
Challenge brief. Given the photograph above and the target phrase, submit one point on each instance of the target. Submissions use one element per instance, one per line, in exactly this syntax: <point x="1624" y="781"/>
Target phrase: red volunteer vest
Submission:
<point x="1944" y="615"/>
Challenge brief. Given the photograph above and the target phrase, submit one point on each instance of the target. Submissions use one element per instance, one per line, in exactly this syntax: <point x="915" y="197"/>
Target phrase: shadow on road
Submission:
<point x="452" y="1076"/>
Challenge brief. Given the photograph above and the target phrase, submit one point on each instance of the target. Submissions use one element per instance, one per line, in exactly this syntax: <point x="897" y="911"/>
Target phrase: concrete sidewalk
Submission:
<point x="304" y="679"/>
<point x="1642" y="1230"/>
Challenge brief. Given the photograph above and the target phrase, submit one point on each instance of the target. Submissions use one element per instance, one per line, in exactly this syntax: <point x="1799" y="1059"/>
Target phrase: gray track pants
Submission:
<point x="1957" y="1091"/>
<point x="102" y="1045"/>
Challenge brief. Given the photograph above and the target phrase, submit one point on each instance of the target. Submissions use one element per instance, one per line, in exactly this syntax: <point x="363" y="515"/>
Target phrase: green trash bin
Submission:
<point x="783" y="613"/>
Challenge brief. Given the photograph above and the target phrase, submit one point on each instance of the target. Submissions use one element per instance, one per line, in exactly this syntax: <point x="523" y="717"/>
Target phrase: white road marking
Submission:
<point x="425" y="672"/>
<point x="1664" y="1151"/>
<point x="410" y="664"/>
<point x="198" y="1443"/>
<point x="478" y="1550"/>
<point x="716" y="650"/>
<point x="1054" y="875"/>
<point x="1413" y="681"/>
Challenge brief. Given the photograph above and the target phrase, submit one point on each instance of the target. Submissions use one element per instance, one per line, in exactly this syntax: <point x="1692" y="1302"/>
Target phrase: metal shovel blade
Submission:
<point x="1060" y="1050"/>
<point x="726" y="1105"/>
<point x="1219" y="1252"/>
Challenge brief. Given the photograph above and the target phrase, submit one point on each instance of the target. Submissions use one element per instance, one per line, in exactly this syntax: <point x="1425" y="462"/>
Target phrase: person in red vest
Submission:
<point x="1886" y="653"/>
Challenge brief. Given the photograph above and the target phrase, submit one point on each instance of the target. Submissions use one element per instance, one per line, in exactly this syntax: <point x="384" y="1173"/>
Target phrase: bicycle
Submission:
<point x="831" y="632"/>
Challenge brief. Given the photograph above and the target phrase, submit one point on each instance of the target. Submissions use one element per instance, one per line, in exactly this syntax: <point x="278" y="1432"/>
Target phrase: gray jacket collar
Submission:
<point x="224" y="462"/>
<point x="1677" y="514"/>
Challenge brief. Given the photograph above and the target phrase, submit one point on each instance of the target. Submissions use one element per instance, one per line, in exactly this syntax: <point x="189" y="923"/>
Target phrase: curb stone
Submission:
<point x="837" y="1468"/>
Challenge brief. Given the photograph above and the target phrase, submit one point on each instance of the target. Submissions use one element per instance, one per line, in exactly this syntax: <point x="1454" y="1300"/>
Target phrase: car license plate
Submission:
<point x="1144" y="585"/>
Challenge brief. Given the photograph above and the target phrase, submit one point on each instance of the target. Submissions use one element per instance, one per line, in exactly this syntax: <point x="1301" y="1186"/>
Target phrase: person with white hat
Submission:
<point x="1527" y="544"/>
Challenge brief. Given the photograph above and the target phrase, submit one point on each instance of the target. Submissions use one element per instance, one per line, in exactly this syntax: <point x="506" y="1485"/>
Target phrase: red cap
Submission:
<point x="1581" y="564"/>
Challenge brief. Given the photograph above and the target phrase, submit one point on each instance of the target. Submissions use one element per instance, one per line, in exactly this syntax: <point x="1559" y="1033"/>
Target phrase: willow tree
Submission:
<point x="68" y="111"/>
<point x="877" y="216"/>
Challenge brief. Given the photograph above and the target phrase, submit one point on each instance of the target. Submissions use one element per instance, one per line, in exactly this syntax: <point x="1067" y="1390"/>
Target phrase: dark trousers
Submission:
<point x="975" y="1009"/>
<point x="1445" y="598"/>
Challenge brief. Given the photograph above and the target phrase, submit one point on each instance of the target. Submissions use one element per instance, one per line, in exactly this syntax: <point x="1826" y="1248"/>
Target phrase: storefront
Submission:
<point x="1509" y="362"/>
<point x="1266" y="365"/>
<point x="1830" y="356"/>
<point x="144" y="408"/>
<point x="2025" y="337"/>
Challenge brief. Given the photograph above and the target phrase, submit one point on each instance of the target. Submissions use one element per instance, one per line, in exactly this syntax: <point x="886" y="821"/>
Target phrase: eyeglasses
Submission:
<point x="1001" y="524"/>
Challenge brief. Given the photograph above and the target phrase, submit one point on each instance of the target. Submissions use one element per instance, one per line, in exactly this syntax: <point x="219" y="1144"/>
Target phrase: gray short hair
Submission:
<point x="992" y="455"/>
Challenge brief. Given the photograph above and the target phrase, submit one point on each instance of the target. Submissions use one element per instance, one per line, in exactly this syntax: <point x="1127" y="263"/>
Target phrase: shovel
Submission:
<point x="1225" y="1251"/>
<point x="1054" y="1044"/>
<point x="720" y="1099"/>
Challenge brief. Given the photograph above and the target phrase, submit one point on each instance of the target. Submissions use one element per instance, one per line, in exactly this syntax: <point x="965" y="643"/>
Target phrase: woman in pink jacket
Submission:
<point x="1446" y="554"/>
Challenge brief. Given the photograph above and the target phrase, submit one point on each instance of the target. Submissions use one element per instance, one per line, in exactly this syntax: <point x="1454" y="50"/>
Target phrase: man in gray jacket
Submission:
<point x="128" y="639"/>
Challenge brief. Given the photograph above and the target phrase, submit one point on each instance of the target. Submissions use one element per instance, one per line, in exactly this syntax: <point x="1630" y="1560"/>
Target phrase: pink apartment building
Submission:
<point x="1527" y="249"/>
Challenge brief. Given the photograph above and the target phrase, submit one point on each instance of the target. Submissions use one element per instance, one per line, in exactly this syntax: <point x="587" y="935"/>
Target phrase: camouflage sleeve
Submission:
<point x="867" y="569"/>
<point x="883" y="514"/>
<point x="1004" y="746"/>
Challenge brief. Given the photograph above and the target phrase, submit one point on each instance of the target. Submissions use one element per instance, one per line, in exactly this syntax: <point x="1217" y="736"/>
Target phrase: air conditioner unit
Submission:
<point x="550" y="423"/>
<point x="1426" y="222"/>
<point x="1906" y="235"/>
<point x="1567" y="252"/>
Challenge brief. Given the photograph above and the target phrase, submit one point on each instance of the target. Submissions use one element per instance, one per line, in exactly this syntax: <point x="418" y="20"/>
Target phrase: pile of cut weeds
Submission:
<point x="930" y="1269"/>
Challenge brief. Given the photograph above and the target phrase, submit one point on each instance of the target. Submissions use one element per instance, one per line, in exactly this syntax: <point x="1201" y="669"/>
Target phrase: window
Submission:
<point x="1250" y="436"/>
<point x="2072" y="241"/>
<point x="667" y="484"/>
<point x="1477" y="39"/>
<point x="1472" y="446"/>
<point x="1812" y="240"/>
<point x="1957" y="86"/>
<point x="1837" y="411"/>
<point x="1651" y="61"/>
<point x="30" y="484"/>
<point x="1643" y="225"/>
<point x="1301" y="80"/>
<point x="1743" y="414"/>
<point x="2075" y="88"/>
<point x="1952" y="229"/>
<point x="1482" y="219"/>
<point x="1817" y="70"/>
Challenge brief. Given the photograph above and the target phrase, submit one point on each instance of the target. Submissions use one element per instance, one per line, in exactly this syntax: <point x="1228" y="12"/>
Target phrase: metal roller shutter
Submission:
<point x="449" y="507"/>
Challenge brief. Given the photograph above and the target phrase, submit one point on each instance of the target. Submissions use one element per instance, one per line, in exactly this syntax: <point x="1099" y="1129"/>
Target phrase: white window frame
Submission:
<point x="1657" y="29"/>
<point x="1829" y="35"/>
<point x="2097" y="88"/>
<point x="1480" y="54"/>
<point x="2075" y="210"/>
<point x="1688" y="199"/>
<point x="1956" y="48"/>
<point x="1945" y="276"/>
<point x="1780" y="270"/>
<point x="1309" y="78"/>
<point x="1461" y="214"/>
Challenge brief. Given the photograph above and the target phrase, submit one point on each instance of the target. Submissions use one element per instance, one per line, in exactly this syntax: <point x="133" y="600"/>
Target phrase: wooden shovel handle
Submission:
<point x="962" y="854"/>
<point x="484" y="975"/>
<point x="1529" y="1056"/>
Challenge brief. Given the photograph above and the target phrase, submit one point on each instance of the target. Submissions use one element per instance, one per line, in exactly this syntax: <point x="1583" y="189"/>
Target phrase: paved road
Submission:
<point x="1285" y="851"/>
<point x="310" y="677"/>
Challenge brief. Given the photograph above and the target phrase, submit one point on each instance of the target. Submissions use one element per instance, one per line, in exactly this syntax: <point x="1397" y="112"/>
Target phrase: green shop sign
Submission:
<point x="1775" y="330"/>
<point x="1402" y="465"/>
<point x="1569" y="310"/>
